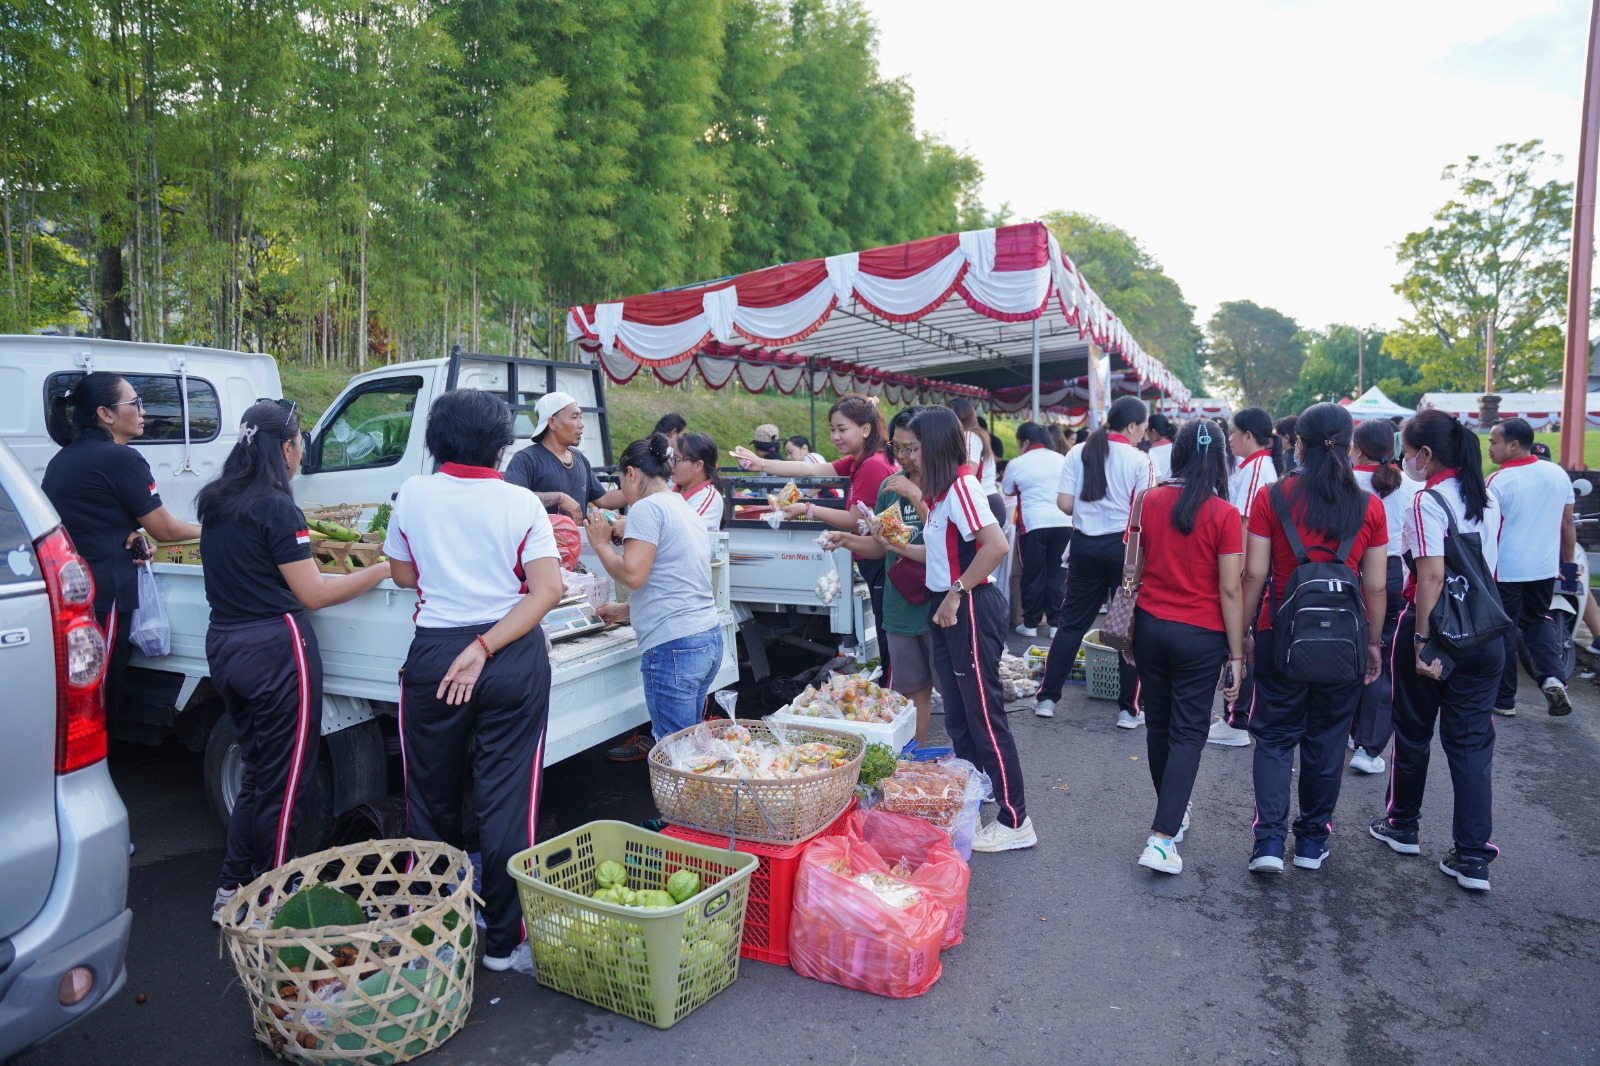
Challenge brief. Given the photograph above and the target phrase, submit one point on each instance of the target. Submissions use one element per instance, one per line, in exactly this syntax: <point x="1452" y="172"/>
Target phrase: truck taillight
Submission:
<point x="80" y="654"/>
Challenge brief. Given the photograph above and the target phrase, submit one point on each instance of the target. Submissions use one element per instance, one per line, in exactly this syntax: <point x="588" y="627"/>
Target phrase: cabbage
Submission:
<point x="683" y="884"/>
<point x="611" y="875"/>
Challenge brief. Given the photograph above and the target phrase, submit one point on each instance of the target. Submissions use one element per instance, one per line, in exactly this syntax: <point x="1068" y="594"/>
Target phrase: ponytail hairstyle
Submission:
<point x="1374" y="441"/>
<point x="943" y="447"/>
<point x="254" y="468"/>
<point x="1455" y="447"/>
<point x="1127" y="411"/>
<point x="1031" y="433"/>
<point x="1331" y="503"/>
<point x="863" y="411"/>
<point x="968" y="415"/>
<point x="1200" y="461"/>
<point x="92" y="392"/>
<point x="1162" y="426"/>
<point x="700" y="448"/>
<point x="652" y="457"/>
<point x="1257" y="423"/>
<point x="1285" y="430"/>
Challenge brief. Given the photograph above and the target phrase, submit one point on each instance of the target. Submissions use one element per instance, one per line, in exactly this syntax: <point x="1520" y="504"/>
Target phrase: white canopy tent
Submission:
<point x="1374" y="404"/>
<point x="1541" y="409"/>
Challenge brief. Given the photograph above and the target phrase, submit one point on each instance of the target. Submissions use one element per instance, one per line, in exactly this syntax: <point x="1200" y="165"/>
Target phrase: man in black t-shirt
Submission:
<point x="553" y="468"/>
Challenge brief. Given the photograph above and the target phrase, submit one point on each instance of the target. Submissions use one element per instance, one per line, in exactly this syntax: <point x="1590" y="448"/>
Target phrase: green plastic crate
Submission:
<point x="1101" y="678"/>
<point x="652" y="966"/>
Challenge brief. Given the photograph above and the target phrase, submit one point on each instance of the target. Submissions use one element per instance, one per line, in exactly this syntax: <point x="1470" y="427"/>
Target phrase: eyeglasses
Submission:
<point x="288" y="406"/>
<point x="138" y="404"/>
<point x="907" y="449"/>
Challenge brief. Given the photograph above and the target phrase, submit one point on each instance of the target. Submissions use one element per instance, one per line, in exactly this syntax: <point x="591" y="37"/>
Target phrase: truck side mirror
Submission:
<point x="307" y="466"/>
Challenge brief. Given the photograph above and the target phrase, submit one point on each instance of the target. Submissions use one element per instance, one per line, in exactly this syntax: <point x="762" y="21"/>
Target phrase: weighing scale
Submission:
<point x="572" y="617"/>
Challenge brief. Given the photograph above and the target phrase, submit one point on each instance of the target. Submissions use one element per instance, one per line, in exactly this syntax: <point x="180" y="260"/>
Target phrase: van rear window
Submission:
<point x="163" y="411"/>
<point x="18" y="564"/>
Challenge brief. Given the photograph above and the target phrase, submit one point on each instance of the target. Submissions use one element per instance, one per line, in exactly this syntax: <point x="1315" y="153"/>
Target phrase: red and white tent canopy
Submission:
<point x="875" y="319"/>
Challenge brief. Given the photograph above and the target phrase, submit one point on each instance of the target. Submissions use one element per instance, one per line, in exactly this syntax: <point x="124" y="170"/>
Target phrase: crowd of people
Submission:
<point x="1302" y="567"/>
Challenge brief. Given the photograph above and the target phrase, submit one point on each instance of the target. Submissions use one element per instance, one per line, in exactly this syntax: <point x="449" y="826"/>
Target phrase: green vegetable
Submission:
<point x="611" y="874"/>
<point x="683" y="884"/>
<point x="315" y="905"/>
<point x="333" y="531"/>
<point x="652" y="899"/>
<point x="878" y="763"/>
<point x="380" y="519"/>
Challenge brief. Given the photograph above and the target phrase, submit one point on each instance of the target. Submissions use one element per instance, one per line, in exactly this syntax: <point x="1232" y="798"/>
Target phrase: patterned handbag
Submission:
<point x="1117" y="630"/>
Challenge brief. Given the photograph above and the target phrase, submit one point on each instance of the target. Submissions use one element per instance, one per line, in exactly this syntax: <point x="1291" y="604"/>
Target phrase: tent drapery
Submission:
<point x="1541" y="409"/>
<point x="1013" y="274"/>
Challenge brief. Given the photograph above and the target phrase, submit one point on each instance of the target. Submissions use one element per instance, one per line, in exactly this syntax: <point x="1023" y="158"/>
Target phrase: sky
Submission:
<point x="1266" y="150"/>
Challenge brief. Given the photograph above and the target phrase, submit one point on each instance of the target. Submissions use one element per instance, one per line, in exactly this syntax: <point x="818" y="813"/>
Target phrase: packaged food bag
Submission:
<point x="148" y="628"/>
<point x="923" y="856"/>
<point x="948" y="793"/>
<point x="569" y="540"/>
<point x="855" y="924"/>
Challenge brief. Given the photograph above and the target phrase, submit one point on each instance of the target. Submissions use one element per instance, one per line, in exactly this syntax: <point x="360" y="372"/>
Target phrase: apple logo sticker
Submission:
<point x="20" y="561"/>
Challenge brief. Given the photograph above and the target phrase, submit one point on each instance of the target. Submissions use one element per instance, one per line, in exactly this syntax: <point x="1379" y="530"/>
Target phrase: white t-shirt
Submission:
<point x="706" y="502"/>
<point x="953" y="519"/>
<point x="1127" y="471"/>
<point x="1034" y="476"/>
<point x="1161" y="459"/>
<point x="1395" y="506"/>
<point x="470" y="539"/>
<point x="985" y="467"/>
<point x="1426" y="524"/>
<point x="1532" y="494"/>
<point x="1255" y="473"/>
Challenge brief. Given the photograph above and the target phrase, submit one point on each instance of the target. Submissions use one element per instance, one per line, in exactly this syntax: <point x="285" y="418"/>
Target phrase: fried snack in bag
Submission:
<point x="923" y="857"/>
<point x="895" y="530"/>
<point x="845" y="933"/>
<point x="784" y="496"/>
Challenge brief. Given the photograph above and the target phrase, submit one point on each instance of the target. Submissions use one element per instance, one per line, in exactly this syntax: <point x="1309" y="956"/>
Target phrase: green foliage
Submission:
<point x="1495" y="253"/>
<point x="315" y="906"/>
<point x="1329" y="372"/>
<point x="878" y="763"/>
<point x="1130" y="280"/>
<point x="1255" y="354"/>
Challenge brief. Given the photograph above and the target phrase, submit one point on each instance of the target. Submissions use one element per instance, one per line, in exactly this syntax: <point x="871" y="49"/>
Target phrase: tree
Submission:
<point x="1132" y="284"/>
<point x="1495" y="253"/>
<point x="1329" y="372"/>
<point x="1255" y="354"/>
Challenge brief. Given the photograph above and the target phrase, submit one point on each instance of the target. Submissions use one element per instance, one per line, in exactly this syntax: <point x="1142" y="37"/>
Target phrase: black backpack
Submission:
<point x="1319" y="631"/>
<point x="1468" y="614"/>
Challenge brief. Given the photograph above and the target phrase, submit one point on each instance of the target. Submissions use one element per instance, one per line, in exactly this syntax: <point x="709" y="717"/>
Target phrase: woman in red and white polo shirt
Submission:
<point x="694" y="471"/>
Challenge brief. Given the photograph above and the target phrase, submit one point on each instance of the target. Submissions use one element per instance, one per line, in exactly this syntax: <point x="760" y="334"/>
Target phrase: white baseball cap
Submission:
<point x="550" y="405"/>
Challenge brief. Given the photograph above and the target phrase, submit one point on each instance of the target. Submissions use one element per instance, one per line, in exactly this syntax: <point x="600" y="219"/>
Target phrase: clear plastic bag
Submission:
<point x="148" y="628"/>
<point x="845" y="933"/>
<point x="925" y="852"/>
<point x="948" y="794"/>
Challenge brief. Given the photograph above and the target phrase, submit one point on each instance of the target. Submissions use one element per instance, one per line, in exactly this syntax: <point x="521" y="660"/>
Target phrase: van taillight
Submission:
<point x="80" y="654"/>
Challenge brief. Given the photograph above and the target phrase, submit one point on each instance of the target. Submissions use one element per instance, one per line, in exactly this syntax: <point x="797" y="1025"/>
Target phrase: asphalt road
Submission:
<point x="1073" y="953"/>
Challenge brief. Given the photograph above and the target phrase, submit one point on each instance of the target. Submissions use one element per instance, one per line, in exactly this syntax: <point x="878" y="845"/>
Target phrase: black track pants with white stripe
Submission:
<point x="498" y="738"/>
<point x="268" y="675"/>
<point x="966" y="663"/>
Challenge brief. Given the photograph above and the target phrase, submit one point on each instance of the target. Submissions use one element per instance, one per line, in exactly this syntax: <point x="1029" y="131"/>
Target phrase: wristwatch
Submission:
<point x="958" y="588"/>
<point x="1419" y="639"/>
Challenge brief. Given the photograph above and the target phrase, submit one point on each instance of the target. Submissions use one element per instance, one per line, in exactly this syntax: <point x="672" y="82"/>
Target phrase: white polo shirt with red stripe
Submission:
<point x="1034" y="477"/>
<point x="1533" y="494"/>
<point x="1255" y="473"/>
<point x="470" y="536"/>
<point x="706" y="503"/>
<point x="952" y="518"/>
<point x="1161" y="459"/>
<point x="1427" y="525"/>
<point x="1127" y="471"/>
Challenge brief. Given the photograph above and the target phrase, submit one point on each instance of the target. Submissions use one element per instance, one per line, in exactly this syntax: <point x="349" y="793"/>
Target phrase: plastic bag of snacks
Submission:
<point x="948" y="793"/>
<point x="728" y="749"/>
<point x="922" y="856"/>
<point x="850" y="697"/>
<point x="857" y="924"/>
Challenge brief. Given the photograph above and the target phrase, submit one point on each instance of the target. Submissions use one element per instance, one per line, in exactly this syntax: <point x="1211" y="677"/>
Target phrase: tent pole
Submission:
<point x="1575" y="387"/>
<point x="1036" y="370"/>
<point x="811" y="390"/>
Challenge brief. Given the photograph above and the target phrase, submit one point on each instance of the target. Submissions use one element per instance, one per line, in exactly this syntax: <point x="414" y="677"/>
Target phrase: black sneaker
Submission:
<point x="1469" y="872"/>
<point x="1402" y="840"/>
<point x="1555" y="697"/>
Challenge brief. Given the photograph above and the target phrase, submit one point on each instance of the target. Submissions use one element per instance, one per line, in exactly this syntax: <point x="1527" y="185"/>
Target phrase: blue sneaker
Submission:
<point x="1267" y="858"/>
<point x="1309" y="853"/>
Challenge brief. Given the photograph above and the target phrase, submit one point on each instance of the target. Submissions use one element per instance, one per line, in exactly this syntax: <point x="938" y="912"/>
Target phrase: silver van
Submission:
<point x="64" y="918"/>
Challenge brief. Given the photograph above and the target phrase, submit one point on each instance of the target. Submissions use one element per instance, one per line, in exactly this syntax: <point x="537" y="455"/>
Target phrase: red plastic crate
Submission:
<point x="766" y="920"/>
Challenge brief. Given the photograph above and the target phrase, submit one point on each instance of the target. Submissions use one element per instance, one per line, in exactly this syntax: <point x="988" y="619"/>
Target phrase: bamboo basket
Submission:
<point x="766" y="811"/>
<point x="395" y="987"/>
<point x="343" y="514"/>
<point x="344" y="556"/>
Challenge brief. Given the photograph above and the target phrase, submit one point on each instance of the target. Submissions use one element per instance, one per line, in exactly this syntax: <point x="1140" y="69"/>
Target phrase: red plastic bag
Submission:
<point x="926" y="851"/>
<point x="845" y="934"/>
<point x="569" y="540"/>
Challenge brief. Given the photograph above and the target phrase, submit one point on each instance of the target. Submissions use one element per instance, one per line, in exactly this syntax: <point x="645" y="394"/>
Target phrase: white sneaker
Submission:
<point x="1224" y="734"/>
<point x="998" y="837"/>
<point x="221" y="901"/>
<point x="1362" y="763"/>
<point x="1129" y="721"/>
<point x="1506" y="712"/>
<point x="1045" y="708"/>
<point x="1184" y="828"/>
<point x="1161" y="856"/>
<point x="1555" y="695"/>
<point x="1050" y="631"/>
<point x="1027" y="631"/>
<point x="1350" y="743"/>
<point x="520" y="960"/>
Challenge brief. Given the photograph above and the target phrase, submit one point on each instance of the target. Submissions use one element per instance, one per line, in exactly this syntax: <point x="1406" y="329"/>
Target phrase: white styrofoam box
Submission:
<point x="896" y="735"/>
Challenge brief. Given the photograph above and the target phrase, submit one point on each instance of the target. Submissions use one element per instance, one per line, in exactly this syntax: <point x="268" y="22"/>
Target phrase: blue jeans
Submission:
<point x="677" y="680"/>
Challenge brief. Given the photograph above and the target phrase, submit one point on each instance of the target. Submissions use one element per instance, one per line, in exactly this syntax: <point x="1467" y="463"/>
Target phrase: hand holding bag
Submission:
<point x="1117" y="630"/>
<point x="148" y="628"/>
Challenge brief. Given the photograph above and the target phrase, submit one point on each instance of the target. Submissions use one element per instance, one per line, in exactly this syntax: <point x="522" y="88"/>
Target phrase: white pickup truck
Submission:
<point x="361" y="450"/>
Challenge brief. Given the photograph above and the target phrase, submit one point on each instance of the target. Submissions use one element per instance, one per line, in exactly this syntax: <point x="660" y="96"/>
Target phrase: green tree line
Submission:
<point x="342" y="180"/>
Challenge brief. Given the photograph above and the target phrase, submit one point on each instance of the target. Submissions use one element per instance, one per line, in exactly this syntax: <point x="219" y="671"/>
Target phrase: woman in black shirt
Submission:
<point x="104" y="492"/>
<point x="265" y="666"/>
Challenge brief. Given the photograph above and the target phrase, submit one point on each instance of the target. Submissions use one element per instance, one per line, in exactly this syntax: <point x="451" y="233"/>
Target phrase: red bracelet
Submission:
<point x="485" y="644"/>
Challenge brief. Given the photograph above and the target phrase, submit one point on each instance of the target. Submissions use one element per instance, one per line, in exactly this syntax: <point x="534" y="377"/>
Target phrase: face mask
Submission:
<point x="1415" y="473"/>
